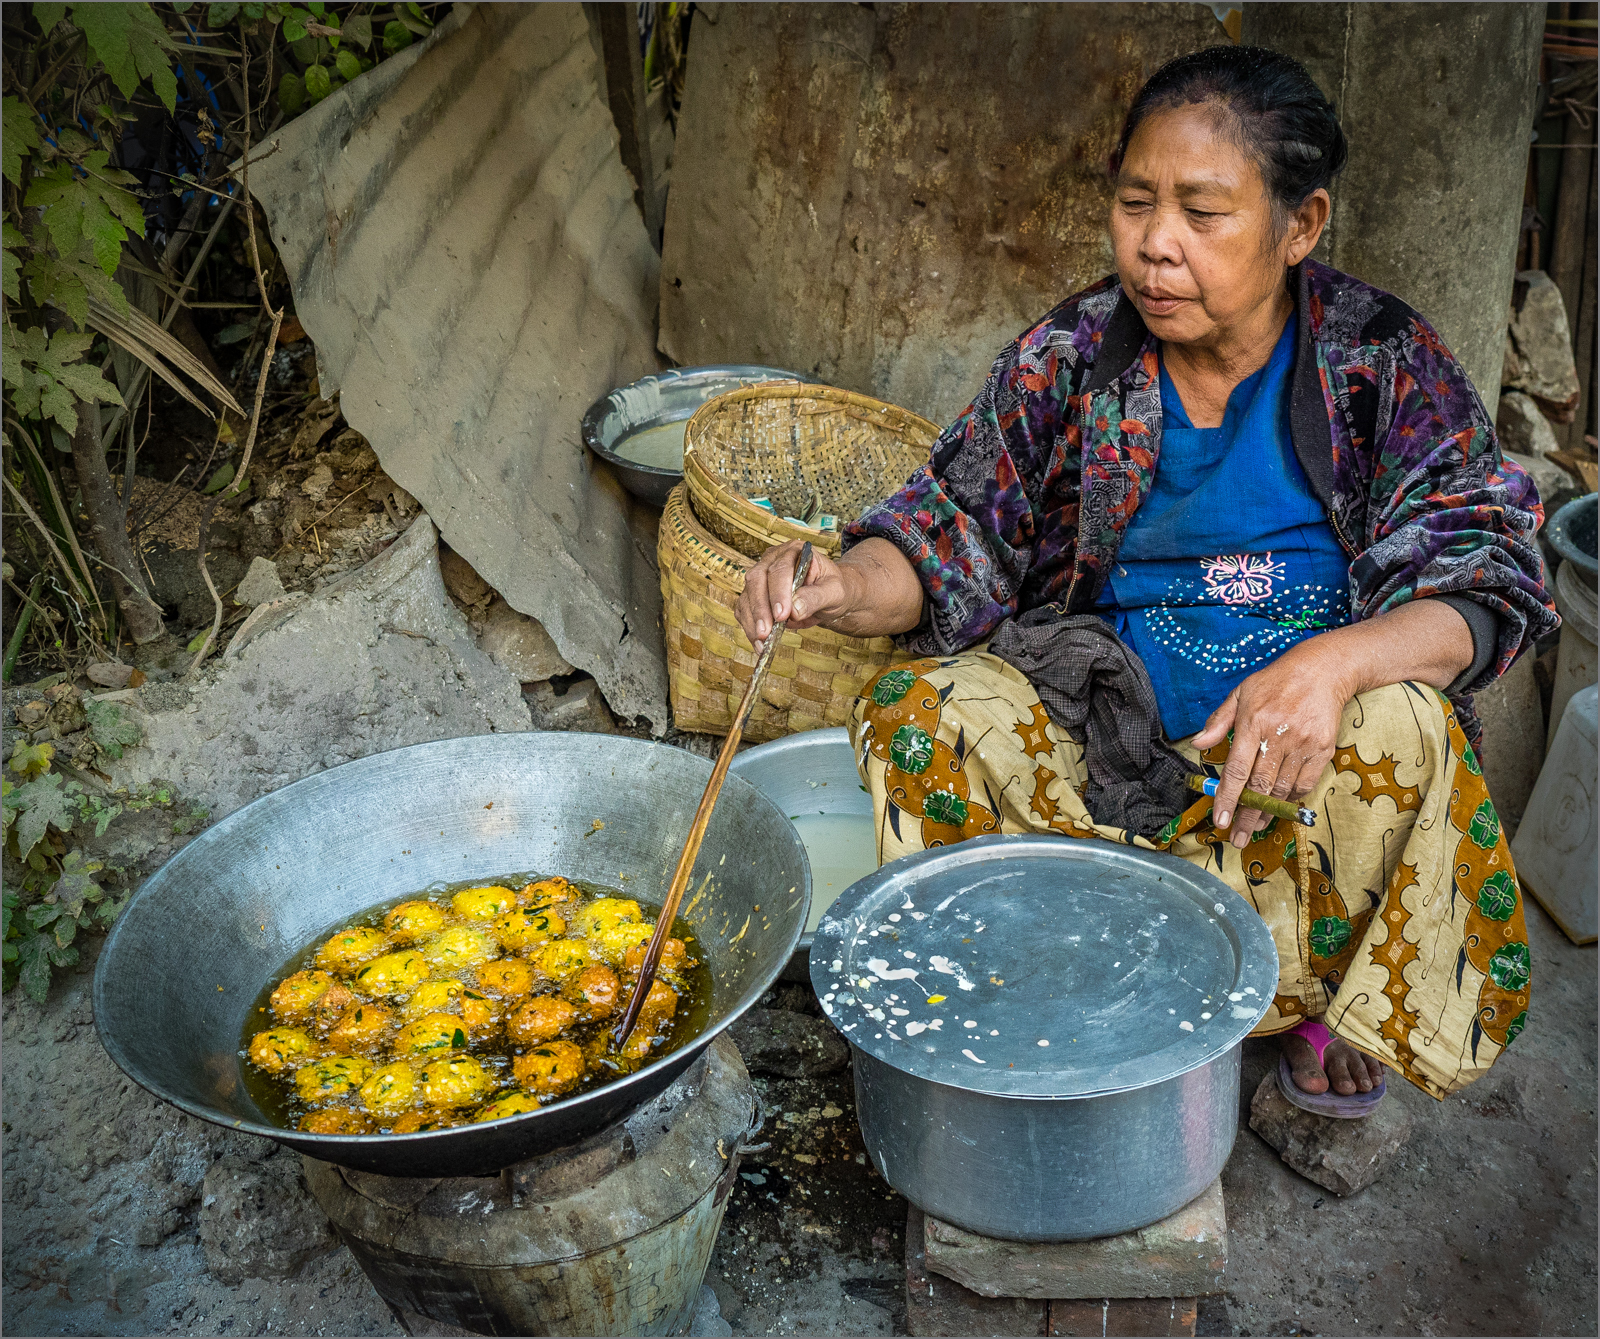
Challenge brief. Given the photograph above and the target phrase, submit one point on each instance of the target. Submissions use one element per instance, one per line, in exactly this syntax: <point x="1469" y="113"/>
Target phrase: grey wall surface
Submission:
<point x="885" y="197"/>
<point x="464" y="249"/>
<point x="1437" y="101"/>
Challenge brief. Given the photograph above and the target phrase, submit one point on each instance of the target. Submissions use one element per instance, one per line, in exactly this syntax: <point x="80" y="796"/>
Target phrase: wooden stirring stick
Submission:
<point x="702" y="816"/>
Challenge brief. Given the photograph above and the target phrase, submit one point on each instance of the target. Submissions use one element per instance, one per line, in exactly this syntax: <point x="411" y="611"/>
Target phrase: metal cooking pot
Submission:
<point x="813" y="772"/>
<point x="1045" y="1031"/>
<point x="186" y="960"/>
<point x="667" y="397"/>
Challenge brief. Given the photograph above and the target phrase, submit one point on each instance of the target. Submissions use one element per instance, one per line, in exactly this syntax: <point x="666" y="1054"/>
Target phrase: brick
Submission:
<point x="1342" y="1155"/>
<point x="1183" y="1255"/>
<point x="936" y="1306"/>
<point x="1125" y="1316"/>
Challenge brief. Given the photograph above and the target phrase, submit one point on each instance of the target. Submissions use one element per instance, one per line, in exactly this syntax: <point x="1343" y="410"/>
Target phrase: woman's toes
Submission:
<point x="1303" y="1066"/>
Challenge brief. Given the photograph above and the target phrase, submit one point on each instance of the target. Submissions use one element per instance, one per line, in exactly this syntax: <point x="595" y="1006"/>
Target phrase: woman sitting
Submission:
<point x="1280" y="490"/>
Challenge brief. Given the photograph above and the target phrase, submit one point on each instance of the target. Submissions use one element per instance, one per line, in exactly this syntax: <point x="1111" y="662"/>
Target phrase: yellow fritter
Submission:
<point x="506" y="976"/>
<point x="455" y="1081"/>
<point x="657" y="1011"/>
<point x="606" y="913"/>
<point x="336" y="1076"/>
<point x="459" y="947"/>
<point x="336" y="1120"/>
<point x="595" y="992"/>
<point x="278" y="1048"/>
<point x="411" y="921"/>
<point x="614" y="942"/>
<point x="413" y="1122"/>
<point x="516" y="1104"/>
<point x="523" y="929"/>
<point x="348" y="949"/>
<point x="483" y="903"/>
<point x="438" y="996"/>
<point x="393" y="974"/>
<point x="432" y="1034"/>
<point x="390" y="1090"/>
<point x="361" y="1031"/>
<point x="543" y="1018"/>
<point x="561" y="958"/>
<point x="297" y="995"/>
<point x="550" y="1069"/>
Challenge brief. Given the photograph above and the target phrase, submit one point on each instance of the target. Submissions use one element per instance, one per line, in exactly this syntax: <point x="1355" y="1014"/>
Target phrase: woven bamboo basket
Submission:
<point x="796" y="444"/>
<point x="815" y="676"/>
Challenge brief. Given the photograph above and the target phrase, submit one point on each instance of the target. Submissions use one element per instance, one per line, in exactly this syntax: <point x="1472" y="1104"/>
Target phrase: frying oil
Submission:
<point x="279" y="1103"/>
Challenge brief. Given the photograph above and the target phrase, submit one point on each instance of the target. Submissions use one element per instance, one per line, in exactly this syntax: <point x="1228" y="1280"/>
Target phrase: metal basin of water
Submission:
<point x="669" y="397"/>
<point x="186" y="960"/>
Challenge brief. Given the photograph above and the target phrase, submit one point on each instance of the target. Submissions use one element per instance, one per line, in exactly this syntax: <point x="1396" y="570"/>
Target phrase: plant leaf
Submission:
<point x="74" y="888"/>
<point x="33" y="954"/>
<point x="44" y="805"/>
<point x="291" y="93"/>
<point x="220" y="16"/>
<point x="318" y="84"/>
<point x="396" y="36"/>
<point x="357" y="28"/>
<point x="132" y="44"/>
<point x="31" y="760"/>
<point x="147" y="341"/>
<point x="48" y="16"/>
<point x="348" y="65"/>
<point x="19" y="135"/>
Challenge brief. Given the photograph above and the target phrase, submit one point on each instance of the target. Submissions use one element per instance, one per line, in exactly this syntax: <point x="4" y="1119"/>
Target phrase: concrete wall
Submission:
<point x="1437" y="100"/>
<point x="883" y="197"/>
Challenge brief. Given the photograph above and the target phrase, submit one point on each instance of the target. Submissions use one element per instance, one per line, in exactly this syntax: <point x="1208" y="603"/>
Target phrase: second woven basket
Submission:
<point x="802" y="447"/>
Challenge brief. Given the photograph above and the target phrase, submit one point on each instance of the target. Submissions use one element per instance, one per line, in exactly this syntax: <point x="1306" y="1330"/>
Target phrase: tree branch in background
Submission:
<point x="239" y="475"/>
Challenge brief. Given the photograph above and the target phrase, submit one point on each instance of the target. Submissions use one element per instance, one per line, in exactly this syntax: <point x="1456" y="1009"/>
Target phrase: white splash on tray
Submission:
<point x="948" y="968"/>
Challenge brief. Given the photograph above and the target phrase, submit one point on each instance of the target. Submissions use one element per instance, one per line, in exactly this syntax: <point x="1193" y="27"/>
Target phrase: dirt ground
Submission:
<point x="1486" y="1224"/>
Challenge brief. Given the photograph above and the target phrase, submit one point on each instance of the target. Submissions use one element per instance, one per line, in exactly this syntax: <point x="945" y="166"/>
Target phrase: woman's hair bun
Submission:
<point x="1284" y="120"/>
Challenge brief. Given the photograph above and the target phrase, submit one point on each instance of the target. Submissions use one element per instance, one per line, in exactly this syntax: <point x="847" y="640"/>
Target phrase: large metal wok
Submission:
<point x="187" y="959"/>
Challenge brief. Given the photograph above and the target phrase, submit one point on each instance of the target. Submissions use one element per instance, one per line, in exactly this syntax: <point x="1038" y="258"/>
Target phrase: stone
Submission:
<point x="581" y="707"/>
<point x="787" y="1045"/>
<point x="261" y="584"/>
<point x="316" y="484"/>
<point x="1522" y="426"/>
<point x="1343" y="1156"/>
<point x="1512" y="715"/>
<point x="112" y="674"/>
<point x="520" y="644"/>
<point x="257" y="1220"/>
<point x="30" y="714"/>
<point x="1538" y="356"/>
<point x="461" y="581"/>
<point x="376" y="659"/>
<point x="938" y="1306"/>
<point x="708" y="1316"/>
<point x="1184" y="1255"/>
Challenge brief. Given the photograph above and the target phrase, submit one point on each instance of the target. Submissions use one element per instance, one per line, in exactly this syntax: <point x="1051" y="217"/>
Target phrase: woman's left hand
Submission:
<point x="1285" y="723"/>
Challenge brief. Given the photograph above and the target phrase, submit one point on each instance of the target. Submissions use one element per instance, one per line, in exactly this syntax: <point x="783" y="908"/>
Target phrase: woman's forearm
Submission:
<point x="883" y="596"/>
<point x="1425" y="641"/>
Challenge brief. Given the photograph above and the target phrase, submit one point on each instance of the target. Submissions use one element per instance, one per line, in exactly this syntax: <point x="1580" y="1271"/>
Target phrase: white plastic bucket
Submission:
<point x="1555" y="849"/>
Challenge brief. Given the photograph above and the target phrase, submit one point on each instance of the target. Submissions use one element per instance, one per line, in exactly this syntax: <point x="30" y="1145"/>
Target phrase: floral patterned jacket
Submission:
<point x="1027" y="495"/>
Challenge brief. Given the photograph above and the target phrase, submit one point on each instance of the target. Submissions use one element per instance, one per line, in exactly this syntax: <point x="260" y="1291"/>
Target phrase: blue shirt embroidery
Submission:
<point x="1230" y="560"/>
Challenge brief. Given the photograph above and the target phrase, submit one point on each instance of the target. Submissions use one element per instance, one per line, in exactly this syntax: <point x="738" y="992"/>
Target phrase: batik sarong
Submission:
<point x="1403" y="923"/>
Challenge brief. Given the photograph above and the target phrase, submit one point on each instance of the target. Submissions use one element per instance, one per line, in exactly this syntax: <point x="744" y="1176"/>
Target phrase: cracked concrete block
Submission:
<point x="520" y="645"/>
<point x="581" y="707"/>
<point x="1343" y="1155"/>
<point x="375" y="660"/>
<point x="1539" y="359"/>
<point x="258" y="1221"/>
<point x="261" y="584"/>
<point x="1184" y="1255"/>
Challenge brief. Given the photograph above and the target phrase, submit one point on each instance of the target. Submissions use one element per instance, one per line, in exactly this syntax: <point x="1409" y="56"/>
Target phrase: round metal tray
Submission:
<point x="1043" y="967"/>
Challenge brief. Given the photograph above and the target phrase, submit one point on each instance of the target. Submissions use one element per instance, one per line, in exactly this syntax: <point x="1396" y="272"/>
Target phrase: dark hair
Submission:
<point x="1282" y="118"/>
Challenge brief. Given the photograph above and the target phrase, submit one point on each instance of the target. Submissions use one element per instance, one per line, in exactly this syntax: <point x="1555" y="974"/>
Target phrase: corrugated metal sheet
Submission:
<point x="465" y="251"/>
<point x="886" y="195"/>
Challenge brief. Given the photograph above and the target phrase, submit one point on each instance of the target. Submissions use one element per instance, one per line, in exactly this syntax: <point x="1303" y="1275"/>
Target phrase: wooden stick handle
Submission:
<point x="702" y="816"/>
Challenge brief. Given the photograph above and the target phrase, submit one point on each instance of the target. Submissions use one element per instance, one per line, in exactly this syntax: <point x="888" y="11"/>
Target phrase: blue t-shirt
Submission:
<point x="1230" y="560"/>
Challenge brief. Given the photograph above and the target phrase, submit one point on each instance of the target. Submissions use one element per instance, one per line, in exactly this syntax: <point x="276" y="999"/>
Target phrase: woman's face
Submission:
<point x="1192" y="227"/>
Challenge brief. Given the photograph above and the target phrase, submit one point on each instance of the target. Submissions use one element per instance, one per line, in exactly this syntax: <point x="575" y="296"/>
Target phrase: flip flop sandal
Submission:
<point x="1338" y="1105"/>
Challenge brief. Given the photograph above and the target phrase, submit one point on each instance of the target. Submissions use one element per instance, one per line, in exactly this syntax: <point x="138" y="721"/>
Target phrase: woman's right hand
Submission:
<point x="825" y="597"/>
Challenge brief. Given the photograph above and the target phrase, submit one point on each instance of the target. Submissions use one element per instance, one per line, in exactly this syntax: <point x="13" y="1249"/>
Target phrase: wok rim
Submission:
<point x="328" y="1146"/>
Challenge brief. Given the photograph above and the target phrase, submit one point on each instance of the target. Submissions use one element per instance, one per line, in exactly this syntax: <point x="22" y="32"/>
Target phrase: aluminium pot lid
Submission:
<point x="1032" y="966"/>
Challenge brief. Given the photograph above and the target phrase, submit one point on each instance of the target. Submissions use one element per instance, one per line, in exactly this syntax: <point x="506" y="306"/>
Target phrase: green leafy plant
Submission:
<point x="54" y="888"/>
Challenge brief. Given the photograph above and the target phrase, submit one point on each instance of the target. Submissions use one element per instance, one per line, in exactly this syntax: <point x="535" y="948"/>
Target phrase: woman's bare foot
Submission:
<point x="1349" y="1071"/>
